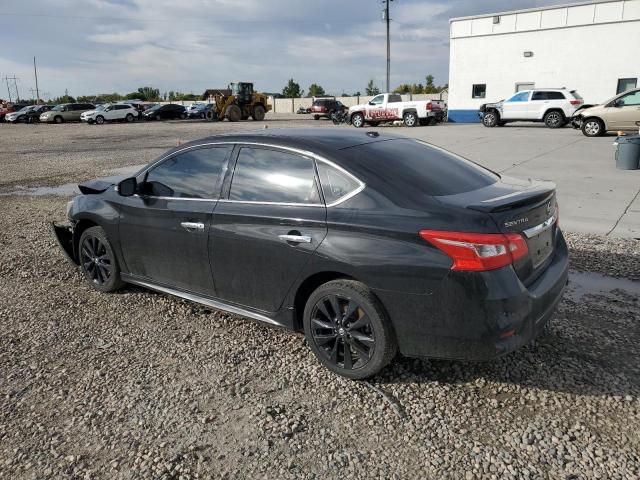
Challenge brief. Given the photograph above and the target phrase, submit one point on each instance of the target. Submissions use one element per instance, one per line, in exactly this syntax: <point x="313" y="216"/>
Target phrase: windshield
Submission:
<point x="26" y="109"/>
<point x="58" y="108"/>
<point x="154" y="108"/>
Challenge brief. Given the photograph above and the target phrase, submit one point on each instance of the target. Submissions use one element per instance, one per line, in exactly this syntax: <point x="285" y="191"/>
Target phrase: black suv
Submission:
<point x="369" y="243"/>
<point x="165" y="112"/>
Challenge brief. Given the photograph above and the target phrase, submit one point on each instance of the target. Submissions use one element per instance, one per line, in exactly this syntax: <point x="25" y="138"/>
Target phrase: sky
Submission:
<point x="101" y="46"/>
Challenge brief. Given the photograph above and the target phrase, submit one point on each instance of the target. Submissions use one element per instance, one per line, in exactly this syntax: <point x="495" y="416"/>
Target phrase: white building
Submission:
<point x="592" y="47"/>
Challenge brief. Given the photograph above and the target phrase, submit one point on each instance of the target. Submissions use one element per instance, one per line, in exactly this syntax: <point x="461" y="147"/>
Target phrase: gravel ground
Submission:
<point x="138" y="385"/>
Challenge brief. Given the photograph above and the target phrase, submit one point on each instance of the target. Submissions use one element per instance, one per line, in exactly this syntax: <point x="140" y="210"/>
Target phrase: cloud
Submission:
<point x="93" y="46"/>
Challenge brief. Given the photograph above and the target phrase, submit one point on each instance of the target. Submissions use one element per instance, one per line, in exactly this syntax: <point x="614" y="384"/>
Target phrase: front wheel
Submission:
<point x="183" y="116"/>
<point x="99" y="119"/>
<point x="316" y="117"/>
<point x="348" y="330"/>
<point x="410" y="119"/>
<point x="58" y="119"/>
<point x="592" y="127"/>
<point x="490" y="119"/>
<point x="357" y="120"/>
<point x="98" y="262"/>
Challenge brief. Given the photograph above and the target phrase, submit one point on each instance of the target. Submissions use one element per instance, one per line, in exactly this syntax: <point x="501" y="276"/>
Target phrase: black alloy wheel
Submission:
<point x="97" y="260"/>
<point x="347" y="329"/>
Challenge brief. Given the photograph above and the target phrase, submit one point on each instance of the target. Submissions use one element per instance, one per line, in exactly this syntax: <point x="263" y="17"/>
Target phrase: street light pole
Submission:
<point x="387" y="19"/>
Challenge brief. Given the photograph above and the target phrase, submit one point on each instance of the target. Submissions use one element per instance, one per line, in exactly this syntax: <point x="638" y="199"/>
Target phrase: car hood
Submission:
<point x="88" y="112"/>
<point x="99" y="185"/>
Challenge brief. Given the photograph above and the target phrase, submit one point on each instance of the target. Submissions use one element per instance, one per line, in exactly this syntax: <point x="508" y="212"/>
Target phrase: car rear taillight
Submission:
<point x="478" y="251"/>
<point x="430" y="106"/>
<point x="575" y="102"/>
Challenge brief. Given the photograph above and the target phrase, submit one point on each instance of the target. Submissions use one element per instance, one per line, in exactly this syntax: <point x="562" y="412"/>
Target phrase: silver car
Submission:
<point x="66" y="112"/>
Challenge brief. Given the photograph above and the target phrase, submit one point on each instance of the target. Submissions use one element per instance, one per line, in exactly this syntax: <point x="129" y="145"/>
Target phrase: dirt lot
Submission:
<point x="138" y="385"/>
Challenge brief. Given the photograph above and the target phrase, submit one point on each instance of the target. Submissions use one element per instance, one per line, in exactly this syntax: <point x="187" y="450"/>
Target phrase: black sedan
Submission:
<point x="165" y="112"/>
<point x="369" y="243"/>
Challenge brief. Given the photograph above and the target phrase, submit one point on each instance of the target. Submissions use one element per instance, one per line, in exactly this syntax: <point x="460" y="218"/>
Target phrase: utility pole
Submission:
<point x="6" y="79"/>
<point x="387" y="20"/>
<point x="35" y="72"/>
<point x="15" y="87"/>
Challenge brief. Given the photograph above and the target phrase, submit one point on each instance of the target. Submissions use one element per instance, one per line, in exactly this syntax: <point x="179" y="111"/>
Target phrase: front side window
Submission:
<point x="378" y="100"/>
<point x="336" y="184"/>
<point x="631" y="99"/>
<point x="191" y="174"/>
<point x="273" y="176"/>
<point x="519" y="97"/>
<point x="479" y="90"/>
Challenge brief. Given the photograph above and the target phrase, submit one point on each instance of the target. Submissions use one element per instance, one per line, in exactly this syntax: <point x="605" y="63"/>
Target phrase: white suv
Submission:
<point x="105" y="112"/>
<point x="553" y="106"/>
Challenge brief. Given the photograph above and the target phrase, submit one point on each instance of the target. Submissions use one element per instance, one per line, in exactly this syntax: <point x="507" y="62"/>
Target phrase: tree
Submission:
<point x="315" y="90"/>
<point x="431" y="87"/>
<point x="149" y="93"/>
<point x="291" y="90"/>
<point x="372" y="89"/>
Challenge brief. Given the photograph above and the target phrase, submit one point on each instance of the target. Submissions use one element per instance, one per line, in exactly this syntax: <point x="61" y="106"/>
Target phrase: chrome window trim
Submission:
<point x="533" y="231"/>
<point x="316" y="157"/>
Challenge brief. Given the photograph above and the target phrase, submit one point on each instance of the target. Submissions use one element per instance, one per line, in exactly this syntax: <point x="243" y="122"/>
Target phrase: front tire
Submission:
<point x="98" y="262"/>
<point x="357" y="120"/>
<point x="348" y="330"/>
<point x="99" y="119"/>
<point x="593" y="127"/>
<point x="233" y="113"/>
<point x="58" y="119"/>
<point x="490" y="119"/>
<point x="410" y="119"/>
<point x="554" y="119"/>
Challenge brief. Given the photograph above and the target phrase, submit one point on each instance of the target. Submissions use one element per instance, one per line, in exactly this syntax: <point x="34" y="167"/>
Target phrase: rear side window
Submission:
<point x="336" y="184"/>
<point x="192" y="174"/>
<point x="263" y="175"/>
<point x="409" y="168"/>
<point x="394" y="99"/>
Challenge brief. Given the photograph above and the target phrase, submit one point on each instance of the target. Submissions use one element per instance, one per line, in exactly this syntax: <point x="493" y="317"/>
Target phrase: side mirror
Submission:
<point x="128" y="187"/>
<point x="371" y="103"/>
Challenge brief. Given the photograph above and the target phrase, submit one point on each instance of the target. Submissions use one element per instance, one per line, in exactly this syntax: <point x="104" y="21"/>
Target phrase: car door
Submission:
<point x="164" y="229"/>
<point x="268" y="227"/>
<point x="625" y="111"/>
<point x="538" y="104"/>
<point x="515" y="108"/>
<point x="375" y="108"/>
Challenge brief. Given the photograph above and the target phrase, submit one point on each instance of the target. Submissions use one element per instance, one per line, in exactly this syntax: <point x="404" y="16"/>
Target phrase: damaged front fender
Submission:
<point x="64" y="237"/>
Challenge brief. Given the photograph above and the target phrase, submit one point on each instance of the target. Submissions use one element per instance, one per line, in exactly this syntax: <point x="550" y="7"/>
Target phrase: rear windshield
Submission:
<point x="318" y="103"/>
<point x="407" y="167"/>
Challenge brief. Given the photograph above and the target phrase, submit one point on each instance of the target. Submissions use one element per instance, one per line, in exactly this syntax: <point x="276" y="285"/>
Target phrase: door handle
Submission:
<point x="295" y="238"/>
<point x="192" y="225"/>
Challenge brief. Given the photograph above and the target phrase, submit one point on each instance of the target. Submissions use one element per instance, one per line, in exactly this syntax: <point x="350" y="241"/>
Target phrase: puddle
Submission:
<point x="590" y="283"/>
<point x="68" y="189"/>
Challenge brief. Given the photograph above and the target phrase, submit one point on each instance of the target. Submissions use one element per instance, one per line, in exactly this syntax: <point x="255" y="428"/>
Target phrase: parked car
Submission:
<point x="165" y="112"/>
<point x="388" y="107"/>
<point x="108" y="112"/>
<point x="303" y="110"/>
<point x="201" y="110"/>
<point x="621" y="112"/>
<point x="324" y="107"/>
<point x="66" y="112"/>
<point x="29" y="114"/>
<point x="17" y="113"/>
<point x="553" y="106"/>
<point x="308" y="230"/>
<point x="6" y="108"/>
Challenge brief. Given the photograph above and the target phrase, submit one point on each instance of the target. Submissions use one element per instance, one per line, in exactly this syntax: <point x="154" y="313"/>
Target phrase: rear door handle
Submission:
<point x="192" y="225"/>
<point x="295" y="238"/>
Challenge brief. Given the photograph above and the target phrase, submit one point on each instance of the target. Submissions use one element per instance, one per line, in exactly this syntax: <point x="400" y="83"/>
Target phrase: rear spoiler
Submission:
<point x="538" y="193"/>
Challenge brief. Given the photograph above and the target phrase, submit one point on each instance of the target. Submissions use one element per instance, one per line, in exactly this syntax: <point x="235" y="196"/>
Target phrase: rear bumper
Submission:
<point x="465" y="318"/>
<point x="64" y="237"/>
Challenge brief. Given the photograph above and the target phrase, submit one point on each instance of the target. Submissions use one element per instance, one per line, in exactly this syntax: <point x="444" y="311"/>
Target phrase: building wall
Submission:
<point x="586" y="47"/>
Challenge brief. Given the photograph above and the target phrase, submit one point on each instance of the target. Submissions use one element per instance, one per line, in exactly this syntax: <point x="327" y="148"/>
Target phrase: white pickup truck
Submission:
<point x="388" y="107"/>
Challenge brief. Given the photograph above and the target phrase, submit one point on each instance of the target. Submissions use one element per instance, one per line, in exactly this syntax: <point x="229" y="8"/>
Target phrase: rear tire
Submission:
<point x="129" y="117"/>
<point x="233" y="113"/>
<point x="258" y="113"/>
<point x="410" y="119"/>
<point x="98" y="262"/>
<point x="316" y="117"/>
<point x="183" y="116"/>
<point x="593" y="127"/>
<point x="357" y="340"/>
<point x="357" y="120"/>
<point x="554" y="119"/>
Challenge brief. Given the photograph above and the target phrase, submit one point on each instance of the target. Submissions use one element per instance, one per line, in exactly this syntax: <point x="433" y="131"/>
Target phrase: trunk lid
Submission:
<point x="526" y="207"/>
